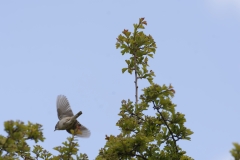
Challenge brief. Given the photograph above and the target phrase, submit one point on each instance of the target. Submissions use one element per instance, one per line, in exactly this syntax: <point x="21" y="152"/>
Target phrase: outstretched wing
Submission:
<point x="79" y="130"/>
<point x="63" y="107"/>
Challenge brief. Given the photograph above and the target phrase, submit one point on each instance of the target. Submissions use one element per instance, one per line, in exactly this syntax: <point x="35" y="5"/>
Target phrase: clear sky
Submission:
<point x="57" y="47"/>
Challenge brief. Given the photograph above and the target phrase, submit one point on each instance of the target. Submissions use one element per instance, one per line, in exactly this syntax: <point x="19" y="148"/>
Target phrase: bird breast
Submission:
<point x="65" y="123"/>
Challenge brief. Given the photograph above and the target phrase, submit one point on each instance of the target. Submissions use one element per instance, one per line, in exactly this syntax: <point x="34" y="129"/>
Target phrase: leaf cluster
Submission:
<point x="140" y="46"/>
<point x="143" y="136"/>
<point x="14" y="146"/>
<point x="236" y="151"/>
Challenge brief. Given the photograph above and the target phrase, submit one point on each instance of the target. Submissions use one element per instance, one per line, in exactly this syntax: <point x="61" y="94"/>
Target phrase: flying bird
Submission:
<point x="68" y="121"/>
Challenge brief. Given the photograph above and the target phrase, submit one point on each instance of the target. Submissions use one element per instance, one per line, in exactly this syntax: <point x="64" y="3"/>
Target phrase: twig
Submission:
<point x="172" y="135"/>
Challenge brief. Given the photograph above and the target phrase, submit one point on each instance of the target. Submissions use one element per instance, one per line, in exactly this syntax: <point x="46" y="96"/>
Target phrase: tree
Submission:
<point x="14" y="146"/>
<point x="236" y="151"/>
<point x="142" y="136"/>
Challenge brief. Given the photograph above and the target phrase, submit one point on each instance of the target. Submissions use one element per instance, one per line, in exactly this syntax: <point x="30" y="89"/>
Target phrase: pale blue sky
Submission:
<point x="68" y="47"/>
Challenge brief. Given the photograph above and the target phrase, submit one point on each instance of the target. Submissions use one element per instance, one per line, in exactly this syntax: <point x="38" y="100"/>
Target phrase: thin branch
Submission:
<point x="172" y="135"/>
<point x="133" y="114"/>
<point x="140" y="77"/>
<point x="136" y="78"/>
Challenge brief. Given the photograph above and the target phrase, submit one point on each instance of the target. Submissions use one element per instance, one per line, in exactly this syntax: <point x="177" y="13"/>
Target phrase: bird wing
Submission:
<point x="79" y="130"/>
<point x="63" y="107"/>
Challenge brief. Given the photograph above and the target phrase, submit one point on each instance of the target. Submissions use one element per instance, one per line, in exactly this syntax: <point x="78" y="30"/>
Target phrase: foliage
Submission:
<point x="142" y="136"/>
<point x="14" y="146"/>
<point x="236" y="151"/>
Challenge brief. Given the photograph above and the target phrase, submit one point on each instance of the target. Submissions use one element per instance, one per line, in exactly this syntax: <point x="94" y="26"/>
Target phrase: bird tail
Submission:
<point x="77" y="115"/>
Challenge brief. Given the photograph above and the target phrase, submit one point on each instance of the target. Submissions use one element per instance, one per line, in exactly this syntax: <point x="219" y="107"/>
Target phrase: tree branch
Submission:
<point x="136" y="78"/>
<point x="165" y="122"/>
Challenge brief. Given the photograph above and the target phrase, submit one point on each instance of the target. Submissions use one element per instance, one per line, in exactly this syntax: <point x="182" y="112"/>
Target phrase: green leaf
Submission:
<point x="150" y="55"/>
<point x="124" y="69"/>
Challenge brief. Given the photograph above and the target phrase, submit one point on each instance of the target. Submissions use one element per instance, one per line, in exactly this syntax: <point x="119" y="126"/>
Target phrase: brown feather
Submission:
<point x="79" y="130"/>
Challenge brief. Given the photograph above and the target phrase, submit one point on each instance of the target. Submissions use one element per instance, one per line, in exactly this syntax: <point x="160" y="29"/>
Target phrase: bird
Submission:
<point x="68" y="121"/>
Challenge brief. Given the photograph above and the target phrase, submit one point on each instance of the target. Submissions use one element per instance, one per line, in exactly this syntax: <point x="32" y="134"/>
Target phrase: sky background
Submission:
<point x="57" y="47"/>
